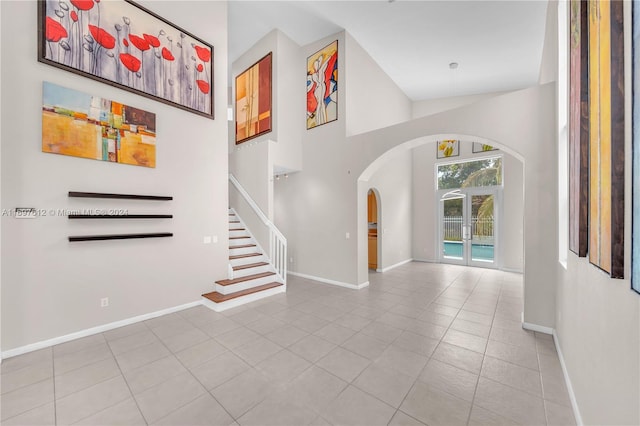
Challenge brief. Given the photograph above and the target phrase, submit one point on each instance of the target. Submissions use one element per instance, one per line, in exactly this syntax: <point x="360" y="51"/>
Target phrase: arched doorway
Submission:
<point x="508" y="255"/>
<point x="374" y="228"/>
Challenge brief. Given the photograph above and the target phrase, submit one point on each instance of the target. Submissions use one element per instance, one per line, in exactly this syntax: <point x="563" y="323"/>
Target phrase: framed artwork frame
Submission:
<point x="322" y="86"/>
<point x="125" y="45"/>
<point x="606" y="136"/>
<point x="578" y="128"/>
<point x="478" y="147"/>
<point x="635" y="184"/>
<point x="253" y="109"/>
<point x="448" y="148"/>
<point x="85" y="126"/>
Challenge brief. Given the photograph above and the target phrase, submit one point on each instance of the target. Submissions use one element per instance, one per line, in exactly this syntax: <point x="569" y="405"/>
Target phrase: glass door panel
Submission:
<point x="468" y="227"/>
<point x="482" y="228"/>
<point x="452" y="245"/>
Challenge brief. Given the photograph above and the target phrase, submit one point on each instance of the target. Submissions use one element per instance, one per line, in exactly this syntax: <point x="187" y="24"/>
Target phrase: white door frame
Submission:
<point x="496" y="191"/>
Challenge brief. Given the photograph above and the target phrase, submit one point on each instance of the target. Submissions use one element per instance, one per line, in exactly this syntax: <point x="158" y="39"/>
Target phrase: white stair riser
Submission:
<point x="238" y="301"/>
<point x="247" y="260"/>
<point x="244" y="250"/>
<point x="238" y="234"/>
<point x="226" y="289"/>
<point x="250" y="271"/>
<point x="241" y="241"/>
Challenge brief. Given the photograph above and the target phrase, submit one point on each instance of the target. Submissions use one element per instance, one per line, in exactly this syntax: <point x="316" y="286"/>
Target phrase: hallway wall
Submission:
<point x="51" y="287"/>
<point x="598" y="318"/>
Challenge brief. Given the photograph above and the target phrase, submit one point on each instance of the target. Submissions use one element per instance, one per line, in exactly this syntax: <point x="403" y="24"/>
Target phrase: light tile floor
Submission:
<point x="424" y="344"/>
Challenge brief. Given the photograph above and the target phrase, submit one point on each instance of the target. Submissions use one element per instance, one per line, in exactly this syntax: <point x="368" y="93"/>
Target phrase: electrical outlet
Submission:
<point x="291" y="260"/>
<point x="348" y="235"/>
<point x="104" y="302"/>
<point x="207" y="240"/>
<point x="215" y="239"/>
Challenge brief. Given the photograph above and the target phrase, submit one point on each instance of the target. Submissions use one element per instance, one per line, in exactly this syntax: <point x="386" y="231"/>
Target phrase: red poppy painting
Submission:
<point x="123" y="44"/>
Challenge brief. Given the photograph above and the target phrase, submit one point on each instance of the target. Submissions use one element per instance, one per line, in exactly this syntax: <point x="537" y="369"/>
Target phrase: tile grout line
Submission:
<point x="484" y="355"/>
<point x="126" y="382"/>
<point x="55" y="400"/>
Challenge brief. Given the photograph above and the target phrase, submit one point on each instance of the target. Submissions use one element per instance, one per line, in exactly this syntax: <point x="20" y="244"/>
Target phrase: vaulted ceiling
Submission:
<point x="497" y="44"/>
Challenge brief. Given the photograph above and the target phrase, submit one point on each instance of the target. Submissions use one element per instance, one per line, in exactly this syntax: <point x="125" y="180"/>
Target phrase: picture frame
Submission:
<point x="253" y="98"/>
<point x="478" y="147"/>
<point x="606" y="137"/>
<point x="125" y="45"/>
<point x="322" y="86"/>
<point x="578" y="128"/>
<point x="448" y="148"/>
<point x="635" y="184"/>
<point x="81" y="125"/>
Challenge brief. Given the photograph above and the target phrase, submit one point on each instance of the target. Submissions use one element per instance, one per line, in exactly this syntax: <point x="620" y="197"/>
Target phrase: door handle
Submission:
<point x="465" y="232"/>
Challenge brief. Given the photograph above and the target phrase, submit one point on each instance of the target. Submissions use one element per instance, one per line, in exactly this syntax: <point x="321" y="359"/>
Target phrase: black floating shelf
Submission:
<point x="119" y="236"/>
<point x="121" y="196"/>
<point x="120" y="216"/>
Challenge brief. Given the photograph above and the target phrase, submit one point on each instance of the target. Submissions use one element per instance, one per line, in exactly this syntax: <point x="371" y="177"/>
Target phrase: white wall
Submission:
<point x="433" y="106"/>
<point x="549" y="62"/>
<point x="249" y="161"/>
<point x="425" y="215"/>
<point x="52" y="287"/>
<point x="373" y="100"/>
<point x="598" y="318"/>
<point x="291" y="104"/>
<point x="394" y="184"/>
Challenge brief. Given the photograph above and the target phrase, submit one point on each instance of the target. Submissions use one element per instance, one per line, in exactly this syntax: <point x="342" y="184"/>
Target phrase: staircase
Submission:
<point x="251" y="274"/>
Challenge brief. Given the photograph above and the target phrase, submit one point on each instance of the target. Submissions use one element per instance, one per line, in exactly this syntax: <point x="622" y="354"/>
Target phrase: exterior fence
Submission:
<point x="480" y="227"/>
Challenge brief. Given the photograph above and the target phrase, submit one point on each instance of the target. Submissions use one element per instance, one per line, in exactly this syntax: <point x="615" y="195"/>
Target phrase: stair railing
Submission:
<point x="277" y="242"/>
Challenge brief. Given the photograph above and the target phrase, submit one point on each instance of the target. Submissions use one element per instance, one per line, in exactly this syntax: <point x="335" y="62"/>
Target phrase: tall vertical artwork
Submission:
<point x="606" y="136"/>
<point x="578" y="129"/>
<point x="322" y="86"/>
<point x="253" y="100"/>
<point x="635" y="240"/>
<point x="81" y="125"/>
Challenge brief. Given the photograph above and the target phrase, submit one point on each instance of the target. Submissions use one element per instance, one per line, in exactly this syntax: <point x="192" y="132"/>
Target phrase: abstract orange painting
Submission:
<point x="253" y="100"/>
<point x="606" y="136"/>
<point x="81" y="125"/>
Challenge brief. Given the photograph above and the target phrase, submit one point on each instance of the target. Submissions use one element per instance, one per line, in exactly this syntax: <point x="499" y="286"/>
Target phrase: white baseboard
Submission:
<point x="514" y="270"/>
<point x="538" y="328"/>
<point x="328" y="281"/>
<point x="94" y="330"/>
<point x="388" y="268"/>
<point x="567" y="380"/>
<point x="424" y="260"/>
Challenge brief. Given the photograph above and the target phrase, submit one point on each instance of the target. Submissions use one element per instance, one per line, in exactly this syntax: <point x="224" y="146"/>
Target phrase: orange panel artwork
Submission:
<point x="81" y="125"/>
<point x="253" y="101"/>
<point x="606" y="137"/>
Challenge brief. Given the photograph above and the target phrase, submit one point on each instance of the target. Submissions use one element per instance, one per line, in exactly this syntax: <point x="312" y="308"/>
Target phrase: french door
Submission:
<point x="468" y="224"/>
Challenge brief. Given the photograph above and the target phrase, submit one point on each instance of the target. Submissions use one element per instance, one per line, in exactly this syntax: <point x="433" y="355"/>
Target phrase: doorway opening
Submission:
<point x="373" y="225"/>
<point x="469" y="204"/>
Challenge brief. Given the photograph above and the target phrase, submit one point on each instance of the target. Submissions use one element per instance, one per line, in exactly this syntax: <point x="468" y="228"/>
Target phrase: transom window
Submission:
<point x="469" y="174"/>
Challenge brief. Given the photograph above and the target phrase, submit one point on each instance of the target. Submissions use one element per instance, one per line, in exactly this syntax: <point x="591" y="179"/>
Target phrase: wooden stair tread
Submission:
<point x="239" y="238"/>
<point x="237" y="229"/>
<point x="218" y="297"/>
<point x="242" y="246"/>
<point x="242" y="256"/>
<point x="247" y="278"/>
<point x="250" y="265"/>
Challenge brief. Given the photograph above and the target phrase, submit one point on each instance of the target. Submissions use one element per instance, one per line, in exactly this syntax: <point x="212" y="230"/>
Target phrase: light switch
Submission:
<point x="348" y="235"/>
<point x="207" y="240"/>
<point x="215" y="239"/>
